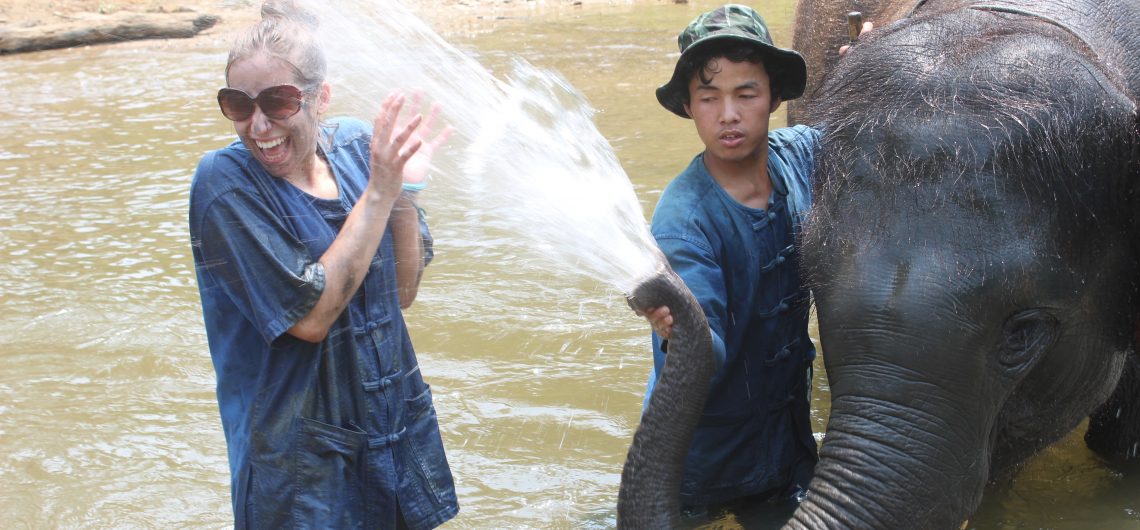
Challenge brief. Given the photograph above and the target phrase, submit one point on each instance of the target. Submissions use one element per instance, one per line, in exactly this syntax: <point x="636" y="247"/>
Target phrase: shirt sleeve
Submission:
<point x="807" y="146"/>
<point x="254" y="259"/>
<point x="795" y="151"/>
<point x="699" y="269"/>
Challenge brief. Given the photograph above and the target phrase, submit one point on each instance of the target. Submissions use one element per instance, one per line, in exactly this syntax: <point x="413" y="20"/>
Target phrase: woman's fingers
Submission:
<point x="404" y="148"/>
<point x="389" y="141"/>
<point x="442" y="137"/>
<point x="385" y="120"/>
<point x="432" y="116"/>
<point x="393" y="144"/>
<point x="401" y="148"/>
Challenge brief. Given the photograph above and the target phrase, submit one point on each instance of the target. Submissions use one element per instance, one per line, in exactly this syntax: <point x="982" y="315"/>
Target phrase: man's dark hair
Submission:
<point x="701" y="63"/>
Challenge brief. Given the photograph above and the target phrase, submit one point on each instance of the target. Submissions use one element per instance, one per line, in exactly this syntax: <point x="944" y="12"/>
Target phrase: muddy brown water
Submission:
<point x="107" y="409"/>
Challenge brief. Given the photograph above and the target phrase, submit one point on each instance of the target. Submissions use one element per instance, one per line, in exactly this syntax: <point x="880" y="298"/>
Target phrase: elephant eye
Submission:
<point x="1026" y="335"/>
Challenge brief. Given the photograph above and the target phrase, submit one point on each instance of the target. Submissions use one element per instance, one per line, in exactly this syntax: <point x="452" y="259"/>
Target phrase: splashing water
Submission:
<point x="526" y="157"/>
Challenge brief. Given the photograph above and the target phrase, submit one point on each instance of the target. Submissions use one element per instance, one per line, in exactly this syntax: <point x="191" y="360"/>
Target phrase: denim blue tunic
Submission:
<point x="741" y="263"/>
<point x="340" y="434"/>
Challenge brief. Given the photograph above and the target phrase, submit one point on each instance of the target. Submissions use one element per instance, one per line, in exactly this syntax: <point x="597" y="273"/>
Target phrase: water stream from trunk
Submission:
<point x="527" y="160"/>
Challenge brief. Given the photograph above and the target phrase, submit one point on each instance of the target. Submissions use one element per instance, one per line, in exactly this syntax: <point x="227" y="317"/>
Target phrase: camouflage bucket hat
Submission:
<point x="738" y="23"/>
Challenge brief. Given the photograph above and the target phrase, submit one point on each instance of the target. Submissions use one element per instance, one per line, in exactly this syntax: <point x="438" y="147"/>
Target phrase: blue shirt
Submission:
<point x="340" y="433"/>
<point x="741" y="264"/>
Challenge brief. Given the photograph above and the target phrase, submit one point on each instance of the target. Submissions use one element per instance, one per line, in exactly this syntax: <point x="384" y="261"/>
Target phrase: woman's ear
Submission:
<point x="324" y="97"/>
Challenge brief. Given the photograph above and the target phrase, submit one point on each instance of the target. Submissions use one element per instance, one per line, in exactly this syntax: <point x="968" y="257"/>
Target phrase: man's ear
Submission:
<point x="688" y="111"/>
<point x="775" y="103"/>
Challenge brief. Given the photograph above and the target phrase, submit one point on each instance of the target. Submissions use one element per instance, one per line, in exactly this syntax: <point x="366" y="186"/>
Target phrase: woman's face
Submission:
<point x="286" y="147"/>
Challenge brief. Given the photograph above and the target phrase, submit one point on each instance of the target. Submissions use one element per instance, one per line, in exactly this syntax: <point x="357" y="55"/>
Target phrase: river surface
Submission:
<point x="107" y="411"/>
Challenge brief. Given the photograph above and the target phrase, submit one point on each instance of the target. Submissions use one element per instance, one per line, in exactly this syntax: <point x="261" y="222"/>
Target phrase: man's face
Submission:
<point x="731" y="111"/>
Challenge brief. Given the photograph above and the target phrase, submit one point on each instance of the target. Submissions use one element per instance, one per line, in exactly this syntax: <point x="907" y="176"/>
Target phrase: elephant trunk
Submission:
<point x="651" y="479"/>
<point x="879" y="468"/>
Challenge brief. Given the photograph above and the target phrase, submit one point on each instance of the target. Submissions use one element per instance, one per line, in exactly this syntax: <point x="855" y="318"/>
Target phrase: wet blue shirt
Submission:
<point x="741" y="264"/>
<point x="337" y="434"/>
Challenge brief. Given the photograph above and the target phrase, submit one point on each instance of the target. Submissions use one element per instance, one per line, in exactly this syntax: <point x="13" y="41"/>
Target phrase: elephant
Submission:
<point x="973" y="251"/>
<point x="651" y="477"/>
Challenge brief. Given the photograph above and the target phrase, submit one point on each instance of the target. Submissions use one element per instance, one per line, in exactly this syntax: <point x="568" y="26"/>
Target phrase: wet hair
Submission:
<point x="286" y="32"/>
<point x="703" y="64"/>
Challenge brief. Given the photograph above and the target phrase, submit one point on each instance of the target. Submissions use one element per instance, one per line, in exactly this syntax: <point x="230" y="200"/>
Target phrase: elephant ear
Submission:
<point x="1136" y="346"/>
<point x="1135" y="184"/>
<point x="1114" y="428"/>
<point x="1133" y="205"/>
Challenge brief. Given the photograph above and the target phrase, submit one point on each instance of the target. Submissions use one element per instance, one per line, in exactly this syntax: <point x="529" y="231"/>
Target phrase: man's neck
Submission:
<point x="747" y="180"/>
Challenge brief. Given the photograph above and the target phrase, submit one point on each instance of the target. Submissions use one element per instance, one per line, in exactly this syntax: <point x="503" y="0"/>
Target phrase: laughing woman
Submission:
<point x="307" y="245"/>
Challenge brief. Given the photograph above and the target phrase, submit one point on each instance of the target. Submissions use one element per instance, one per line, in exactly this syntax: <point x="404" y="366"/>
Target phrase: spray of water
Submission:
<point x="527" y="160"/>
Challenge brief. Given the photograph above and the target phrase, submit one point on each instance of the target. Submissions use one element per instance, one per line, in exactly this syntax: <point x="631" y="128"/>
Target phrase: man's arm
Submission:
<point x="698" y="269"/>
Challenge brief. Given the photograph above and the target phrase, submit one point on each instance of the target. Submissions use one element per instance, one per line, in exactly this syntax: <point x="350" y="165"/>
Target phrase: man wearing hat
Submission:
<point x="727" y="225"/>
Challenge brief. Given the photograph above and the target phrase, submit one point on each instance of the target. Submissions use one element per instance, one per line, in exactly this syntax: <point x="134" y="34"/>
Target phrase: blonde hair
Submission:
<point x="285" y="32"/>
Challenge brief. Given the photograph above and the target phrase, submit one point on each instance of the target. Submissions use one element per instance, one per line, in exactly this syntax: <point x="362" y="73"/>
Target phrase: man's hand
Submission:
<point x="867" y="26"/>
<point x="661" y="320"/>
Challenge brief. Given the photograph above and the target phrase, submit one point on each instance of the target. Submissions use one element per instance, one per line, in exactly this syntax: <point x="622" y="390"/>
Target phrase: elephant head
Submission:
<point x="973" y="254"/>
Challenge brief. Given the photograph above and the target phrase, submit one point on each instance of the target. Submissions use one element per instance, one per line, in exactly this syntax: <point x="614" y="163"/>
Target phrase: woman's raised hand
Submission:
<point x="417" y="169"/>
<point x="392" y="146"/>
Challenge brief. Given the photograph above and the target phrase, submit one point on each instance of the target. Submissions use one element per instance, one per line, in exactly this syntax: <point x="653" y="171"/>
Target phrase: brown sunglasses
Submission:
<point x="277" y="102"/>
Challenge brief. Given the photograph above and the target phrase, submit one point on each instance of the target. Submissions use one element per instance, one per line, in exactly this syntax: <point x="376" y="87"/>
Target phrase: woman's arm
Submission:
<point x="346" y="261"/>
<point x="409" y="248"/>
<point x="406" y="222"/>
